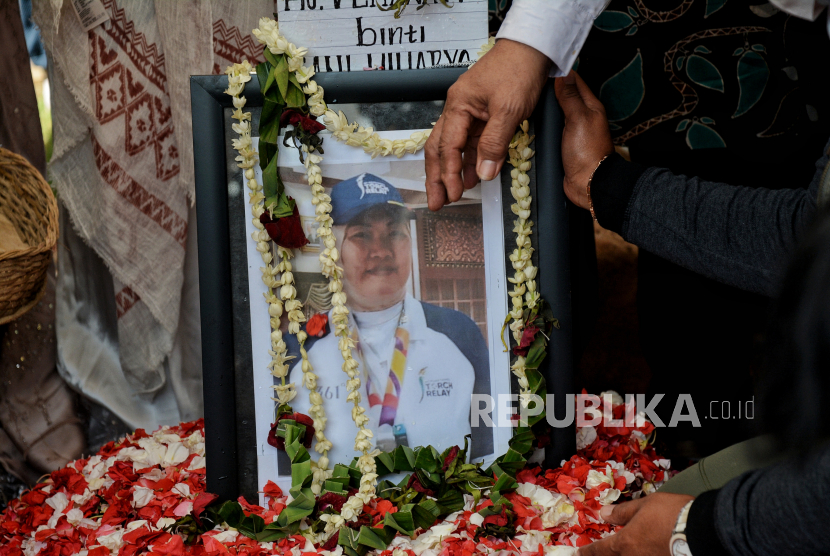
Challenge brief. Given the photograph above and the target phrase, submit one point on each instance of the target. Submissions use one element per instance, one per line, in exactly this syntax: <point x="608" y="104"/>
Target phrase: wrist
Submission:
<point x="678" y="545"/>
<point x="588" y="188"/>
<point x="525" y="56"/>
<point x="576" y="184"/>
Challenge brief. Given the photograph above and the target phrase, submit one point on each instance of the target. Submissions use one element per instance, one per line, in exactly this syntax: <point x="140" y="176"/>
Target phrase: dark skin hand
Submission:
<point x="649" y="522"/>
<point x="483" y="110"/>
<point x="586" y="138"/>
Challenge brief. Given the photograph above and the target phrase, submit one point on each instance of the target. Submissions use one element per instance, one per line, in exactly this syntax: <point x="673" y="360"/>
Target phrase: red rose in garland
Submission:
<point x="286" y="231"/>
<point x="298" y="119"/>
<point x="301" y="419"/>
<point x="528" y="336"/>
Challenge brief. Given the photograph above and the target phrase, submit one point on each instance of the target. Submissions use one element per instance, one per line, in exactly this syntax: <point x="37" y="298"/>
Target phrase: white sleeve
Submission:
<point x="556" y="28"/>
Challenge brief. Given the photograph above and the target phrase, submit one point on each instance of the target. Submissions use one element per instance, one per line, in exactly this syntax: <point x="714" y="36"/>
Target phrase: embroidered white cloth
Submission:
<point x="123" y="166"/>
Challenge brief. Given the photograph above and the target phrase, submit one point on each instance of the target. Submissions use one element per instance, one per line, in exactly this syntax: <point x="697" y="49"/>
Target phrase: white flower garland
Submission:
<point x="372" y="143"/>
<point x="524" y="294"/>
<point x="277" y="276"/>
<point x="238" y="75"/>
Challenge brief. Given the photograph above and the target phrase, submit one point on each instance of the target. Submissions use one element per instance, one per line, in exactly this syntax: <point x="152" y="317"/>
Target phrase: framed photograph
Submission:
<point x="427" y="291"/>
<point x="421" y="287"/>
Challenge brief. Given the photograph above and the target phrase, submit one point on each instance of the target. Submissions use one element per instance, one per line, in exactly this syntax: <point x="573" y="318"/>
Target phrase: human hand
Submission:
<point x="484" y="108"/>
<point x="649" y="522"/>
<point x="585" y="139"/>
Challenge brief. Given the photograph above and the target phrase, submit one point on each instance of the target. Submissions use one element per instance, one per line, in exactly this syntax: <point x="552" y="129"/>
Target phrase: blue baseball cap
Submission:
<point x="353" y="196"/>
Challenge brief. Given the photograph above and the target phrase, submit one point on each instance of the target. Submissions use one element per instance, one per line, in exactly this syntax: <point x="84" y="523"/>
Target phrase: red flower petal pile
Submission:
<point x="124" y="500"/>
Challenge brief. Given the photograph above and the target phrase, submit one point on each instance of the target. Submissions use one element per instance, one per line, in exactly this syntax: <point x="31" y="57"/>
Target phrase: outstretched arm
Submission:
<point x="779" y="509"/>
<point x="736" y="235"/>
<point x="487" y="103"/>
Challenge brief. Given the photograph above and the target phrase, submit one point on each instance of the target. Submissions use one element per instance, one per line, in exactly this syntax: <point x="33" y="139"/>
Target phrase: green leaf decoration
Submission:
<point x="281" y="75"/>
<point x="634" y="13"/>
<point x="274" y="95"/>
<point x="272" y="185"/>
<point x="505" y="483"/>
<point x="451" y="501"/>
<point x="271" y="535"/>
<point x="537" y="352"/>
<point x="702" y="49"/>
<point x="700" y="136"/>
<point x="400" y="521"/>
<point x="231" y="512"/>
<point x="707" y="120"/>
<point x="423" y="518"/>
<point x="738" y="51"/>
<point x="300" y="507"/>
<point x="712" y="6"/>
<point x="348" y="539"/>
<point x="759" y="48"/>
<point x="267" y="151"/>
<point x="269" y="124"/>
<point x="404" y="458"/>
<point x="428" y="460"/>
<point x="704" y="73"/>
<point x="270" y="57"/>
<point x="251" y="526"/>
<point x="753" y="74"/>
<point x="631" y="30"/>
<point x="295" y="97"/>
<point x="612" y="21"/>
<point x="265" y="77"/>
<point x="281" y="206"/>
<point x="430" y="506"/>
<point x="334" y="486"/>
<point x="521" y="443"/>
<point x="373" y="538"/>
<point x="623" y="92"/>
<point x="301" y="470"/>
<point x="385" y="463"/>
<point x="683" y="125"/>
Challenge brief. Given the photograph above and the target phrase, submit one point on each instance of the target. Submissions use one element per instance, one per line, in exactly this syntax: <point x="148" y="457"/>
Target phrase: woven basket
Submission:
<point x="27" y="202"/>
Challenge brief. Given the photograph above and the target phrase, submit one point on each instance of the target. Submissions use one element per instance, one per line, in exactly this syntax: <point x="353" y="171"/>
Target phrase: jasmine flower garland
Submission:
<point x="238" y="75"/>
<point x="340" y="320"/>
<point x="524" y="295"/>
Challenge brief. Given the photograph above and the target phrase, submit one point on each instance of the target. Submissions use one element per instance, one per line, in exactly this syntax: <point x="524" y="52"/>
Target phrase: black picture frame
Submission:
<point x="563" y="236"/>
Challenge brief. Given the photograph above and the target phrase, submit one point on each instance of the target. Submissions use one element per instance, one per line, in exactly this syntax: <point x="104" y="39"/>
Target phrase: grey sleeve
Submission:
<point x="734" y="234"/>
<point x="737" y="235"/>
<point x="780" y="509"/>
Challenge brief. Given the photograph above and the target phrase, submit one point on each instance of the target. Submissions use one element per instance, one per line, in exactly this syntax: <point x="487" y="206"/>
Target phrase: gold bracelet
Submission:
<point x="590" y="179"/>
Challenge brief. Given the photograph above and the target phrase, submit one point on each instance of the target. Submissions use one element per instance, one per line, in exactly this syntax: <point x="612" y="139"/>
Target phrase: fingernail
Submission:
<point x="487" y="170"/>
<point x="570" y="79"/>
<point x="605" y="512"/>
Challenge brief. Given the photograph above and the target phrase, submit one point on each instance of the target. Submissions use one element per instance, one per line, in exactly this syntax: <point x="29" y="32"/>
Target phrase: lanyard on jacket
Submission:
<point x="394" y="382"/>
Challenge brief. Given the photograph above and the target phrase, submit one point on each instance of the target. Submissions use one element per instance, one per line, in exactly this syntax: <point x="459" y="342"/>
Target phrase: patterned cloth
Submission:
<point x="123" y="167"/>
<point x="716" y="74"/>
